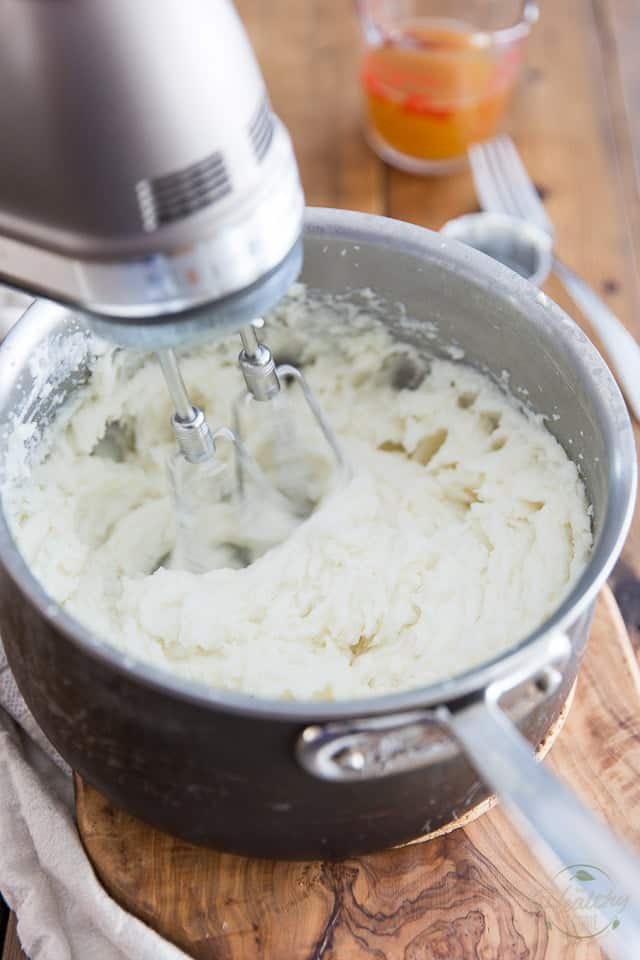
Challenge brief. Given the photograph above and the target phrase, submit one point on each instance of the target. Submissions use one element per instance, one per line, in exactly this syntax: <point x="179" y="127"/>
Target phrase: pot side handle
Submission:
<point x="561" y="831"/>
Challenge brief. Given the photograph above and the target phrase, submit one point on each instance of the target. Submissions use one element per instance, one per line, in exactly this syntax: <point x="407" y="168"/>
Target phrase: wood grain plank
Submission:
<point x="473" y="894"/>
<point x="11" y="949"/>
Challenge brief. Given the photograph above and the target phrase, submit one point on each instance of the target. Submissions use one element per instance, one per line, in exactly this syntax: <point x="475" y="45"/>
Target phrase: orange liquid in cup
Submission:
<point x="433" y="89"/>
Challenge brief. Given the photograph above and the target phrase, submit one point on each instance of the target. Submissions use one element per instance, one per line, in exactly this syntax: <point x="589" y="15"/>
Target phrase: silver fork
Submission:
<point x="504" y="186"/>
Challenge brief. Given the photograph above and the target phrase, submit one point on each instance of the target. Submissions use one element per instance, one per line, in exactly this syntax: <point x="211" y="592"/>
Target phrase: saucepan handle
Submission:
<point x="562" y="832"/>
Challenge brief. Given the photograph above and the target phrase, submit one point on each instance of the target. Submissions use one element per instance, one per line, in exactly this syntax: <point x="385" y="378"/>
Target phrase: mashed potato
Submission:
<point x="461" y="526"/>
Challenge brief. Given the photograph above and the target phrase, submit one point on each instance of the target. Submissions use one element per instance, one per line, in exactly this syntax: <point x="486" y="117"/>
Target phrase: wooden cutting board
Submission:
<point x="474" y="893"/>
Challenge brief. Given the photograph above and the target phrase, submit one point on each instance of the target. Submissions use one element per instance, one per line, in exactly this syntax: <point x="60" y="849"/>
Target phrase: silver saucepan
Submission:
<point x="308" y="780"/>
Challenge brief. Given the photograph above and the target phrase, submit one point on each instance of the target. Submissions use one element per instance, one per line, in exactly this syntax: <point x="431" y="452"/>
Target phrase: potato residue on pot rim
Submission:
<point x="462" y="527"/>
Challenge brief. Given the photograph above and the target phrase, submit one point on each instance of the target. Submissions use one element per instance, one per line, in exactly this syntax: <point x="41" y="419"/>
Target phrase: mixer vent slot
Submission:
<point x="177" y="195"/>
<point x="261" y="130"/>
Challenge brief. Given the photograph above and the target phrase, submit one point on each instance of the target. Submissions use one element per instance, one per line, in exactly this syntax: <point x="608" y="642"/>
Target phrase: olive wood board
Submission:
<point x="472" y="893"/>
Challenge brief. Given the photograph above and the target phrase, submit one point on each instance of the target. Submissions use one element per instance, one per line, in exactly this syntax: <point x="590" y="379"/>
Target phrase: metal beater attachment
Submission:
<point x="263" y="379"/>
<point x="195" y="440"/>
<point x="217" y="523"/>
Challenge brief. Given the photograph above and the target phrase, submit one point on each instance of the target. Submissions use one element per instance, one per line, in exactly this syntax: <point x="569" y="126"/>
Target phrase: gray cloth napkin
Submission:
<point x="45" y="877"/>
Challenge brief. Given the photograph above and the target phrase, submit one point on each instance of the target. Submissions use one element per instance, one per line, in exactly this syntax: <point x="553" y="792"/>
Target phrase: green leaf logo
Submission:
<point x="616" y="923"/>
<point x="582" y="875"/>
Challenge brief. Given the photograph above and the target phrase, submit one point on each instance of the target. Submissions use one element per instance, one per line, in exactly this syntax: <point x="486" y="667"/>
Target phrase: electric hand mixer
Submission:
<point x="145" y="181"/>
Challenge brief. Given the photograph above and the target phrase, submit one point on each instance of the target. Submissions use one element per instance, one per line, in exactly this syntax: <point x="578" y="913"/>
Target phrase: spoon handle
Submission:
<point x="621" y="347"/>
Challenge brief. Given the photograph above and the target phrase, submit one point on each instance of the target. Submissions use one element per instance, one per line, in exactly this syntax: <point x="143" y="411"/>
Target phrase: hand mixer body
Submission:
<point x="143" y="175"/>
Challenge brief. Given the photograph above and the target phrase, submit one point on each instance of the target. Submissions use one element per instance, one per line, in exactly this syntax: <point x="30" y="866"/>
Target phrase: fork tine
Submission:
<point x="524" y="192"/>
<point x="513" y="173"/>
<point x="511" y="186"/>
<point x="495" y="189"/>
<point x="503" y="184"/>
<point x="487" y="188"/>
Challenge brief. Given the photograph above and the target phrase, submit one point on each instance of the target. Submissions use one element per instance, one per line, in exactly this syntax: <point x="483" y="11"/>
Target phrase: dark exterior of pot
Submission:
<point x="220" y="768"/>
<point x="220" y="778"/>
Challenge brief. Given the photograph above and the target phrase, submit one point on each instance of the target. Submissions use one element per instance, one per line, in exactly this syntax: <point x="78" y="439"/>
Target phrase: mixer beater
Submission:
<point x="264" y="379"/>
<point x="227" y="517"/>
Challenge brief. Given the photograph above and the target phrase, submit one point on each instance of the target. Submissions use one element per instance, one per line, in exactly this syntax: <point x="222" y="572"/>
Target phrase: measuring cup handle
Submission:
<point x="560" y="830"/>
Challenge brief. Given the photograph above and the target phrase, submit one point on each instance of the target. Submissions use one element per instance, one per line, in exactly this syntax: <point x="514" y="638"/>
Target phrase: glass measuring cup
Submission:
<point x="437" y="75"/>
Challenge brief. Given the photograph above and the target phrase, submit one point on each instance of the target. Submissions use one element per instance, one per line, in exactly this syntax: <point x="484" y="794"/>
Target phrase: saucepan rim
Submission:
<point x="484" y="273"/>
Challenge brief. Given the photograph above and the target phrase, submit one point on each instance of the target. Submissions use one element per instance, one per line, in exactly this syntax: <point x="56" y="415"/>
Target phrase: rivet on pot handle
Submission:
<point x="561" y="831"/>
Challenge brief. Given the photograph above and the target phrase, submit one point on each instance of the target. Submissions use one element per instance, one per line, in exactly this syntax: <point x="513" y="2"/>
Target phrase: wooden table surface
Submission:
<point x="575" y="120"/>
